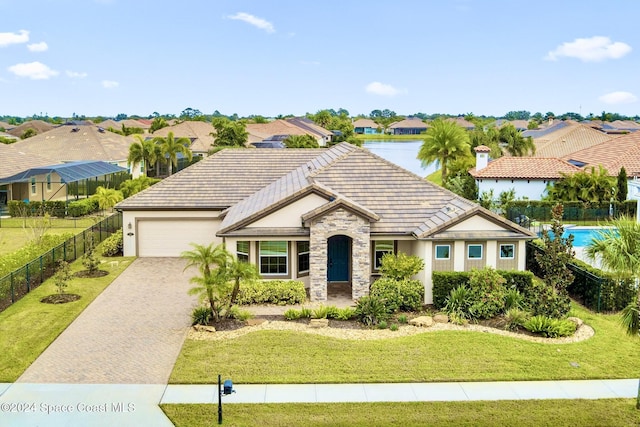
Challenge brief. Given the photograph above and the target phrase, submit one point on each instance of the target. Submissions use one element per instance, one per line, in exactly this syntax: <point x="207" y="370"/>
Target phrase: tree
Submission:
<point x="591" y="186"/>
<point x="240" y="271"/>
<point x="133" y="186"/>
<point x="517" y="115"/>
<point x="62" y="276"/>
<point x="229" y="133"/>
<point x="489" y="138"/>
<point x="28" y="133"/>
<point x="553" y="262"/>
<point x="621" y="193"/>
<point x="444" y="142"/>
<point x="143" y="151"/>
<point x="170" y="147"/>
<point x="107" y="197"/>
<point x="516" y="144"/>
<point x="301" y="141"/>
<point x="618" y="250"/>
<point x="158" y="123"/>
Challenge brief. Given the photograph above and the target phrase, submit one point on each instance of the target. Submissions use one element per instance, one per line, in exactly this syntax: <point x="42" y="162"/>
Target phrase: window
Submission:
<point x="381" y="247"/>
<point x="507" y="251"/>
<point x="273" y="258"/>
<point x="303" y="257"/>
<point x="443" y="251"/>
<point x="33" y="186"/>
<point x="474" y="252"/>
<point x="49" y="182"/>
<point x="242" y="251"/>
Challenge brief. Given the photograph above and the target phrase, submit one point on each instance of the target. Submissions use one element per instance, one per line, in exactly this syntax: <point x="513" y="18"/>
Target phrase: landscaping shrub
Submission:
<point x="515" y="318"/>
<point x="200" y="316"/>
<point x="541" y="299"/>
<point x="445" y="282"/>
<point x="237" y="313"/>
<point x="550" y="327"/>
<point x="400" y="266"/>
<point x="112" y="245"/>
<point x="520" y="280"/>
<point x="403" y="319"/>
<point x="382" y="324"/>
<point x="83" y="207"/>
<point x="403" y="294"/>
<point x="371" y="310"/>
<point x="346" y="313"/>
<point x="459" y="305"/>
<point x="513" y="299"/>
<point x="280" y="292"/>
<point x="394" y="327"/>
<point x="31" y="251"/>
<point x="487" y="293"/>
<point x="320" y="312"/>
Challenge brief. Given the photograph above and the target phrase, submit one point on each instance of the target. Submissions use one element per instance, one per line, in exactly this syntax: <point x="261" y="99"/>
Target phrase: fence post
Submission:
<point x="42" y="270"/>
<point x="28" y="279"/>
<point x="13" y="294"/>
<point x="75" y="247"/>
<point x="599" y="292"/>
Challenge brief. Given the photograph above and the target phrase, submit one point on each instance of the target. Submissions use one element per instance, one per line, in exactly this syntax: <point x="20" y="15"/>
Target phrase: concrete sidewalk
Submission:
<point x="97" y="405"/>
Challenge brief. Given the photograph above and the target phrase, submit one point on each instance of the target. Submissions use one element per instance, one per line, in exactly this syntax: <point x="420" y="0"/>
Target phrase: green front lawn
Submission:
<point x="29" y="326"/>
<point x="533" y="413"/>
<point x="296" y="357"/>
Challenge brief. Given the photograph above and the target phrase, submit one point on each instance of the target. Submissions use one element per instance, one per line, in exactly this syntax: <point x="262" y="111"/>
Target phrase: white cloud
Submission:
<point x="75" y="74"/>
<point x="110" y="84"/>
<point x="33" y="70"/>
<point x="378" y="88"/>
<point x="618" y="98"/>
<point x="38" y="47"/>
<point x="593" y="49"/>
<point x="14" y="38"/>
<point x="260" y="23"/>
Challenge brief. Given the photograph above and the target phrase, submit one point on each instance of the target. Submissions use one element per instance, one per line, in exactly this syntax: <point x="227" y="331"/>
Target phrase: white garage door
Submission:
<point x="169" y="238"/>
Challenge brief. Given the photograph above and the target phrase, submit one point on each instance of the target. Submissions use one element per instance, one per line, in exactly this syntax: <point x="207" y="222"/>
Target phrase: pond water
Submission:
<point x="402" y="153"/>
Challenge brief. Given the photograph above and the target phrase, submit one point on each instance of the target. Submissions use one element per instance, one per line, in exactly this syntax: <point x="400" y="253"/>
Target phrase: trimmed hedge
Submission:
<point x="19" y="208"/>
<point x="541" y="210"/>
<point x="31" y="251"/>
<point x="445" y="281"/>
<point x="83" y="207"/>
<point x="399" y="295"/>
<point x="280" y="292"/>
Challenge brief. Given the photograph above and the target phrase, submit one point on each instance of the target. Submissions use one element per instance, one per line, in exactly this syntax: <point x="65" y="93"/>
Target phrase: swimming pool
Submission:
<point x="582" y="235"/>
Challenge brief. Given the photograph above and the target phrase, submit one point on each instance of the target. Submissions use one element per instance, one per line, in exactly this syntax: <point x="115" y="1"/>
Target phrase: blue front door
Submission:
<point x="338" y="258"/>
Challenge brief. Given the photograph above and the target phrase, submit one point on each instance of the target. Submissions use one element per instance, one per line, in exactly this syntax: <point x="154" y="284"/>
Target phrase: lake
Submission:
<point x="402" y="153"/>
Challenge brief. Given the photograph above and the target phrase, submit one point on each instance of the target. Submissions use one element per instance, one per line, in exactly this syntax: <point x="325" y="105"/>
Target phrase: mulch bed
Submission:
<point x="89" y="274"/>
<point x="60" y="298"/>
<point x="233" y="324"/>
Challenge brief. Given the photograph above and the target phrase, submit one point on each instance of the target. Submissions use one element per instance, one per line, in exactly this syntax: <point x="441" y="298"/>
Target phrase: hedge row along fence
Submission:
<point x="58" y="208"/>
<point x="21" y="281"/>
<point x="573" y="211"/>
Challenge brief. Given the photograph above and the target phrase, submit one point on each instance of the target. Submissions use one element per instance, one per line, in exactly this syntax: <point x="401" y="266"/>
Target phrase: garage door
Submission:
<point x="169" y="238"/>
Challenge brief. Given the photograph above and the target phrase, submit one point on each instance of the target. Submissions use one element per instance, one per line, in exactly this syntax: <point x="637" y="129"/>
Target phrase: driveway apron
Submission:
<point x="132" y="333"/>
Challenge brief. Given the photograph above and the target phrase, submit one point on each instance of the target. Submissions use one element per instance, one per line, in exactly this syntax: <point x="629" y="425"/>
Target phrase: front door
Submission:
<point x="338" y="259"/>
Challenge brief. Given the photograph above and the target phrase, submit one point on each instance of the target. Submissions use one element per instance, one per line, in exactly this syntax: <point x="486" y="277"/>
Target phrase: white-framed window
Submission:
<point x="48" y="182"/>
<point x="303" y="257"/>
<point x="507" y="251"/>
<point x="274" y="256"/>
<point x="242" y="251"/>
<point x="443" y="251"/>
<point x="474" y="251"/>
<point x="34" y="189"/>
<point x="381" y="247"/>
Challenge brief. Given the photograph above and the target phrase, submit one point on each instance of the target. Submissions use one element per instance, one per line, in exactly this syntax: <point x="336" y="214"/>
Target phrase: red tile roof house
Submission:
<point x="322" y="216"/>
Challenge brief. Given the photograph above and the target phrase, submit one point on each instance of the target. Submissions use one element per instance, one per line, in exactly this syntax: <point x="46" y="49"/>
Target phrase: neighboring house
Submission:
<point x="520" y="125"/>
<point x="527" y="176"/>
<point x="366" y="127"/>
<point x="322" y="216"/>
<point x="546" y="128"/>
<point x="623" y="151"/>
<point x="39" y="126"/>
<point x="462" y="122"/>
<point x="323" y="135"/>
<point x="200" y="134"/>
<point x="33" y="178"/>
<point x="568" y="139"/>
<point x="74" y="142"/>
<point x="129" y="123"/>
<point x="620" y="126"/>
<point x="6" y="126"/>
<point x="259" y="132"/>
<point x="410" y="126"/>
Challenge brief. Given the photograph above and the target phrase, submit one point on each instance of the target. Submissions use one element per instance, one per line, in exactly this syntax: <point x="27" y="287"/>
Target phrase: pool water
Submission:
<point x="582" y="236"/>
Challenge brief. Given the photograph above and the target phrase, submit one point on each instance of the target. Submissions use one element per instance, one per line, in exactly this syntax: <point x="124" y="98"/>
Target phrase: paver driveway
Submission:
<point x="131" y="334"/>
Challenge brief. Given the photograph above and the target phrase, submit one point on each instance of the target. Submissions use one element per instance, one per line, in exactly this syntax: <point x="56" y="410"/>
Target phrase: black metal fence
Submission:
<point x="591" y="287"/>
<point x="22" y="280"/>
<point x="519" y="211"/>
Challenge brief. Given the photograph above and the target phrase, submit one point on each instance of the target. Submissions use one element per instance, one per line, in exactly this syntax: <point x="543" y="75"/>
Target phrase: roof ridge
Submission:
<point x="344" y="149"/>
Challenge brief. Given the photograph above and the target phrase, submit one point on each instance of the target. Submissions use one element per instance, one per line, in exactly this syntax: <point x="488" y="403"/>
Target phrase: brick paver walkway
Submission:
<point x="131" y="334"/>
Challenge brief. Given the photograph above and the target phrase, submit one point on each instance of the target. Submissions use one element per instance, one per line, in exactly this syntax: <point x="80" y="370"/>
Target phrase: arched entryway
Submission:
<point x="339" y="259"/>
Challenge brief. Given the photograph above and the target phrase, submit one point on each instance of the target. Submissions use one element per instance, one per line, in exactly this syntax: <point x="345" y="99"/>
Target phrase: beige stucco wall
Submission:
<point x="290" y="215"/>
<point x="475" y="223"/>
<point x="58" y="191"/>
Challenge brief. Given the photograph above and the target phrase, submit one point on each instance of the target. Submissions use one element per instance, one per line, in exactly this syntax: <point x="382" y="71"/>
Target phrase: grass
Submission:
<point x="606" y="412"/>
<point x="29" y="326"/>
<point x="292" y="357"/>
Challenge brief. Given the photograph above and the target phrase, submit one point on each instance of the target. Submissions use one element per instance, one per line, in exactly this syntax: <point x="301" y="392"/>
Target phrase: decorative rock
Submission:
<point x="422" y="321"/>
<point x="576" y="320"/>
<point x="255" y="322"/>
<point x="441" y="318"/>
<point x="204" y="328"/>
<point x="319" y="323"/>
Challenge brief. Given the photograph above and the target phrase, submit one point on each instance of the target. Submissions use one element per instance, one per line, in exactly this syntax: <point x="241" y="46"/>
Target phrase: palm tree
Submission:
<point x="205" y="257"/>
<point x="515" y="143"/>
<point x="301" y="141"/>
<point x="618" y="250"/>
<point x="240" y="271"/>
<point x="143" y="151"/>
<point x="107" y="197"/>
<point x="213" y="289"/>
<point x="444" y="142"/>
<point x="170" y="147"/>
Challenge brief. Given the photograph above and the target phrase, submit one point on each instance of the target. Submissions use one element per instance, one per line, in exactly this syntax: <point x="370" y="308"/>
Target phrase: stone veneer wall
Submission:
<point x="339" y="222"/>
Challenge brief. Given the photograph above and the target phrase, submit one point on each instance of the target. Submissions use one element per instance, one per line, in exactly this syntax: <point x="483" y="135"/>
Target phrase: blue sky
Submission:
<point x="105" y="57"/>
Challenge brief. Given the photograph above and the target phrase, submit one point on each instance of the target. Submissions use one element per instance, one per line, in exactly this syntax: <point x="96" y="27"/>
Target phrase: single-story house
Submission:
<point x="366" y="127"/>
<point x="462" y="122"/>
<point x="409" y="126"/>
<point x="322" y="216"/>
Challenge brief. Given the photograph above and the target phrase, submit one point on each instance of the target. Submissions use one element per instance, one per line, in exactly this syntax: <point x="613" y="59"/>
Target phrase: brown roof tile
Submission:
<point x="524" y="168"/>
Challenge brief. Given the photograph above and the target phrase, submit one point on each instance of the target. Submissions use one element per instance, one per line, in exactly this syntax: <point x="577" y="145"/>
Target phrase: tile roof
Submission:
<point x="199" y="133"/>
<point x="130" y="123"/>
<point x="39" y="126"/>
<point x="254" y="183"/>
<point x="613" y="155"/>
<point x="568" y="139"/>
<point x="309" y="126"/>
<point x="365" y="123"/>
<point x="86" y="143"/>
<point x="462" y="122"/>
<point x="15" y="161"/>
<point x="524" y="168"/>
<point x="409" y="123"/>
